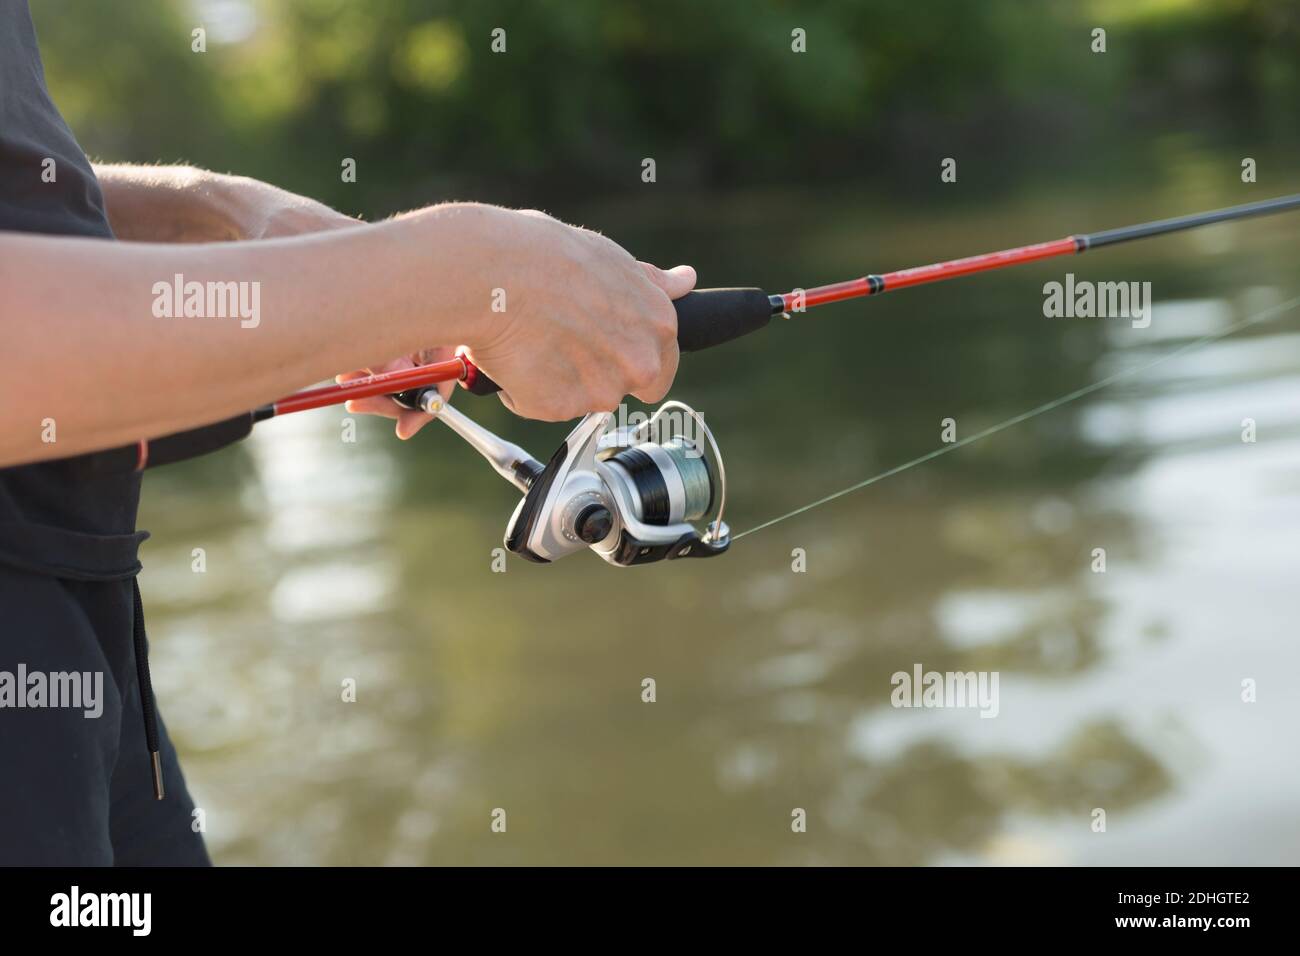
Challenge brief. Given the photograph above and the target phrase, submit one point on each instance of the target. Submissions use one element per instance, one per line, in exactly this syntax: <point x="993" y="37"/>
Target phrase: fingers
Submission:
<point x="675" y="282"/>
<point x="380" y="405"/>
<point x="656" y="386"/>
<point x="409" y="421"/>
<point x="652" y="373"/>
<point x="595" y="325"/>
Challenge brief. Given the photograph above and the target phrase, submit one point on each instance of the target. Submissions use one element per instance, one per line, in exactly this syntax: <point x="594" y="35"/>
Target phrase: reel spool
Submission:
<point x="669" y="482"/>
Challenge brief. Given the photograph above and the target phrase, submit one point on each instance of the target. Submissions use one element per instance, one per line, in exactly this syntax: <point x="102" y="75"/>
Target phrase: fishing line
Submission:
<point x="1078" y="393"/>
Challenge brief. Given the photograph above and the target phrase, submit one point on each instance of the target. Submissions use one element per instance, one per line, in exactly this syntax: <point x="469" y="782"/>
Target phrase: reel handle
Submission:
<point x="705" y="318"/>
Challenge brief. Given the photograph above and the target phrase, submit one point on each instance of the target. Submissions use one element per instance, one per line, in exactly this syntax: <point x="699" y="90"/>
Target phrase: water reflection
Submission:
<point x="330" y="561"/>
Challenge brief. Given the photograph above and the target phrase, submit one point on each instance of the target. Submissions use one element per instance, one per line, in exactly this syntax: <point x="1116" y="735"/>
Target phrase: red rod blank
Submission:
<point x="381" y="384"/>
<point x="982" y="263"/>
<point x="937" y="272"/>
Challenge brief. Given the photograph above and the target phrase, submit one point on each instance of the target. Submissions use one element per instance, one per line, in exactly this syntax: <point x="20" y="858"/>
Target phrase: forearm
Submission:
<point x="172" y="204"/>
<point x="184" y="204"/>
<point x="84" y="347"/>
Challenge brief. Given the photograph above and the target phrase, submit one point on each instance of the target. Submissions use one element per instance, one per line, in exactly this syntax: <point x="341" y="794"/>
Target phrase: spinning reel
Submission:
<point x="628" y="493"/>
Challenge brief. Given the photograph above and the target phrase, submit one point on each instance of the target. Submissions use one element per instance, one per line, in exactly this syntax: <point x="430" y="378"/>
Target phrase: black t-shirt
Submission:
<point x="54" y="517"/>
<point x="69" y="601"/>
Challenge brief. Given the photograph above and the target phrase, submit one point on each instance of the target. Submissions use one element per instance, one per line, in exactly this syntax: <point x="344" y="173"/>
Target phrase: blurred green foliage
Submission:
<point x="710" y="88"/>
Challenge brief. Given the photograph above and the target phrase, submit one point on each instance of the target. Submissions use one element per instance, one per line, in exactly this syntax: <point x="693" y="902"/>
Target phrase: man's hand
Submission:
<point x="409" y="421"/>
<point x="584" y="325"/>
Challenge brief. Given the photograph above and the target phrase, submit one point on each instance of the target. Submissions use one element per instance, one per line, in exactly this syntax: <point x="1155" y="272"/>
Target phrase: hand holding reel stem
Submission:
<point x="629" y="494"/>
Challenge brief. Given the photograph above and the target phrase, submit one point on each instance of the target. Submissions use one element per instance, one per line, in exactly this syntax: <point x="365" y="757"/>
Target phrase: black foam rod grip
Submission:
<point x="709" y="317"/>
<point x="705" y="318"/>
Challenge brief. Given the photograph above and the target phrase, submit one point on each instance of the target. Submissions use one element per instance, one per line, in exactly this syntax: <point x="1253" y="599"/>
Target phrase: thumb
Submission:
<point x="675" y="282"/>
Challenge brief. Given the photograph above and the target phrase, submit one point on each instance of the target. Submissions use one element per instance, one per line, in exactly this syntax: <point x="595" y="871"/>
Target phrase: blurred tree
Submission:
<point x="585" y="89"/>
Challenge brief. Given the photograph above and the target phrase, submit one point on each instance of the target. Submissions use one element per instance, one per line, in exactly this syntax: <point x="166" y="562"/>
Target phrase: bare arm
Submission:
<point x="185" y="204"/>
<point x="87" y="350"/>
<point x="84" y="347"/>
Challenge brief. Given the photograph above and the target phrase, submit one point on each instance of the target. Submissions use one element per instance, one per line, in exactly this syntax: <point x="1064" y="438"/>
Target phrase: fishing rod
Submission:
<point x="710" y="317"/>
<point x="631" y="493"/>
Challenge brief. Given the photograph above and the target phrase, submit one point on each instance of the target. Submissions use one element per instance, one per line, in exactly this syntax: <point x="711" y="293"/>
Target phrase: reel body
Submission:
<point x="628" y="493"/>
